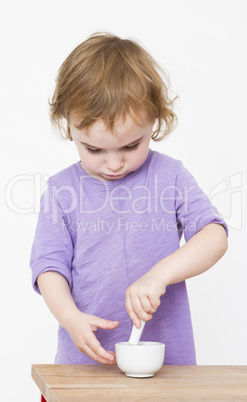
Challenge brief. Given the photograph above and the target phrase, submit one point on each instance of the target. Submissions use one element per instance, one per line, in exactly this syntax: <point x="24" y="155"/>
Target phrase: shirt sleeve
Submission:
<point x="52" y="248"/>
<point x="193" y="207"/>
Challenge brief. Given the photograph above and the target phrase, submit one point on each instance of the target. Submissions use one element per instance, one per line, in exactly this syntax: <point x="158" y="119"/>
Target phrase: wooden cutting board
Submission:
<point x="74" y="383"/>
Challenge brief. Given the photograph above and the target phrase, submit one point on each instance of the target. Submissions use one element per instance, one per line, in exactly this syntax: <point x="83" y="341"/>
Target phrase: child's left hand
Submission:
<point x="143" y="297"/>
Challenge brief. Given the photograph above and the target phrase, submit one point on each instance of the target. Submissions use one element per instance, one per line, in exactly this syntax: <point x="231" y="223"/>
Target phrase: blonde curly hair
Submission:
<point x="107" y="77"/>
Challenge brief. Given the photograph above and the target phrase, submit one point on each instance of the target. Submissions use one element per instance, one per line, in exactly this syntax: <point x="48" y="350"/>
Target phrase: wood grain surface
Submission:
<point x="74" y="383"/>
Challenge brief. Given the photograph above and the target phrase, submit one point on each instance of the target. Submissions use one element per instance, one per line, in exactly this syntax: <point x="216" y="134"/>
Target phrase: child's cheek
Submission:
<point x="140" y="158"/>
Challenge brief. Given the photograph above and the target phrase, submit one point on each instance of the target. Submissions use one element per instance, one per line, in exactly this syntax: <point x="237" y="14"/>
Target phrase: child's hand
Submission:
<point x="81" y="328"/>
<point x="143" y="298"/>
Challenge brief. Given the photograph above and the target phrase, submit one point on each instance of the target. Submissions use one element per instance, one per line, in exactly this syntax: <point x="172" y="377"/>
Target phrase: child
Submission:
<point x="106" y="250"/>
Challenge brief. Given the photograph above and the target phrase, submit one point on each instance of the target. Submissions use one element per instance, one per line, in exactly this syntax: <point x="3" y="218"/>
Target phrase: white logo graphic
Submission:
<point x="229" y="194"/>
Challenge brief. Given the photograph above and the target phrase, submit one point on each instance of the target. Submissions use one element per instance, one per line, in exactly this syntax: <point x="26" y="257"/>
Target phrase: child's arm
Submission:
<point x="81" y="327"/>
<point x="199" y="254"/>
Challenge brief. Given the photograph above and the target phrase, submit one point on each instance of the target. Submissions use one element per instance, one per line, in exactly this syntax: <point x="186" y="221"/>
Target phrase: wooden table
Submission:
<point x="74" y="383"/>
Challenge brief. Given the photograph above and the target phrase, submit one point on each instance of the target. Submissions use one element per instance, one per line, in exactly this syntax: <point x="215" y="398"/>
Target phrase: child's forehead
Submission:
<point x="125" y="133"/>
<point x="121" y="124"/>
<point x="130" y="122"/>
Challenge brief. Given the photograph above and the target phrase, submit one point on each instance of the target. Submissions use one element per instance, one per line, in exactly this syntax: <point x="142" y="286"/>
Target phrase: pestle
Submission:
<point x="136" y="334"/>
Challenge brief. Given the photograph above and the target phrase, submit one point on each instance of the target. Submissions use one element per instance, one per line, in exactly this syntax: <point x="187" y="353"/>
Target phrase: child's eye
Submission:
<point x="133" y="147"/>
<point x="97" y="151"/>
<point x="93" y="151"/>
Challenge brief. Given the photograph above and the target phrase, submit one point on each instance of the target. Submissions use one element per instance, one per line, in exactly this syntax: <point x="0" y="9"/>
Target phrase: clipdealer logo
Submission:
<point x="228" y="193"/>
<point x="225" y="195"/>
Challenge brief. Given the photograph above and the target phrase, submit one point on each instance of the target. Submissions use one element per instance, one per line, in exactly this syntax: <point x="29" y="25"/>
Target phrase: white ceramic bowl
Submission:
<point x="142" y="360"/>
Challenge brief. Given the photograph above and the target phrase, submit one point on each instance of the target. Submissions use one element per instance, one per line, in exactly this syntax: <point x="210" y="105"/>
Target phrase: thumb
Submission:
<point x="103" y="323"/>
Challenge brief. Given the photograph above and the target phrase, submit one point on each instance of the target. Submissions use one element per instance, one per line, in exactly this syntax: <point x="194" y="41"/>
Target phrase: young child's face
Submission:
<point x="111" y="156"/>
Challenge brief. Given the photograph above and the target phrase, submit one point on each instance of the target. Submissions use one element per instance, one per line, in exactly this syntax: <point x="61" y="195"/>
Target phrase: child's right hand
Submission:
<point x="81" y="328"/>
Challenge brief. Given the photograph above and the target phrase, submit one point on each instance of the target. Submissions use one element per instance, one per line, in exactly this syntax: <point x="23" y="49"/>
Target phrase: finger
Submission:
<point x="154" y="301"/>
<point x="96" y="347"/>
<point x="134" y="318"/>
<point x="98" y="350"/>
<point x="111" y="352"/>
<point x="145" y="316"/>
<point x="138" y="310"/>
<point x="90" y="353"/>
<point x="97" y="322"/>
<point x="146" y="305"/>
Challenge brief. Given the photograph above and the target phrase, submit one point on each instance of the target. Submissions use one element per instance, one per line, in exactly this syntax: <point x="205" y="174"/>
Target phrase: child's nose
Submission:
<point x="114" y="162"/>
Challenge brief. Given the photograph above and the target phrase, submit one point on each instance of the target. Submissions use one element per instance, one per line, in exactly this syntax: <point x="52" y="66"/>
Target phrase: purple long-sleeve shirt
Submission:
<point x="103" y="235"/>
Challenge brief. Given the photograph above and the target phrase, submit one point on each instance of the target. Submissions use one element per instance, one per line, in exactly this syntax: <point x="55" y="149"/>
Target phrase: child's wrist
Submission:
<point x="161" y="273"/>
<point x="69" y="317"/>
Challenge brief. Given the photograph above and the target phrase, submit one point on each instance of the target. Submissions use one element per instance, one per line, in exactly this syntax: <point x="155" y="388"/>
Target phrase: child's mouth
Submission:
<point x="114" y="176"/>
